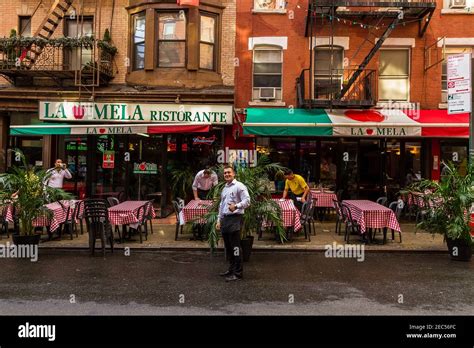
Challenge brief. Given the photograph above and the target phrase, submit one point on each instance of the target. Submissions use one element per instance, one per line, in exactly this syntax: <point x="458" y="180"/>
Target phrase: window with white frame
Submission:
<point x="449" y="51"/>
<point x="267" y="73"/>
<point x="457" y="4"/>
<point x="269" y="5"/>
<point x="328" y="71"/>
<point x="394" y="74"/>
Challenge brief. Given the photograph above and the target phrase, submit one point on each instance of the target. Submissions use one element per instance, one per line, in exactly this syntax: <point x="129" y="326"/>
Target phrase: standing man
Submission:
<point x="203" y="182"/>
<point x="234" y="199"/>
<point x="58" y="173"/>
<point x="298" y="187"/>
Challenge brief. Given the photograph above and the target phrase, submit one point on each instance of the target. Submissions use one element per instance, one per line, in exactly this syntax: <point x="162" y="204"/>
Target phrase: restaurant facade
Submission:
<point x="123" y="122"/>
<point x="354" y="98"/>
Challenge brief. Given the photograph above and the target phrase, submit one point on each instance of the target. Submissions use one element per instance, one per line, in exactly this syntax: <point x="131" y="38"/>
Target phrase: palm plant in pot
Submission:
<point x="452" y="198"/>
<point x="24" y="188"/>
<point x="262" y="207"/>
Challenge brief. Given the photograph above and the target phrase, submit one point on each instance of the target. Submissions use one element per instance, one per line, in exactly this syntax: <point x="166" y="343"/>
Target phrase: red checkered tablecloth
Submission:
<point x="196" y="209"/>
<point x="369" y="214"/>
<point x="58" y="216"/>
<point x="291" y="215"/>
<point x="323" y="199"/>
<point x="126" y="213"/>
<point x="8" y="212"/>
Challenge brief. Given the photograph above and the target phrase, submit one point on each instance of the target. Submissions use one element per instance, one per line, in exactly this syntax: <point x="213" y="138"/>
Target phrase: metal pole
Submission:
<point x="471" y="118"/>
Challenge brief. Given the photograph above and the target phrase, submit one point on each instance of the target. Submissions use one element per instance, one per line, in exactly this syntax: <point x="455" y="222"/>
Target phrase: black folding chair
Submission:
<point x="352" y="227"/>
<point x="177" y="210"/>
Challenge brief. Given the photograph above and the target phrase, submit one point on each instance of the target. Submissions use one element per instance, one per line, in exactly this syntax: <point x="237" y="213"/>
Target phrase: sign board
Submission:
<point x="145" y="168"/>
<point x="135" y="112"/>
<point x="459" y="83"/>
<point x="108" y="160"/>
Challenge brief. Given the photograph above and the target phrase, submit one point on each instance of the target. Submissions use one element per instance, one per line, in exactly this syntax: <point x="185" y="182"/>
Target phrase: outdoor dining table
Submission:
<point x="323" y="199"/>
<point x="126" y="213"/>
<point x="370" y="215"/>
<point x="195" y="210"/>
<point x="290" y="215"/>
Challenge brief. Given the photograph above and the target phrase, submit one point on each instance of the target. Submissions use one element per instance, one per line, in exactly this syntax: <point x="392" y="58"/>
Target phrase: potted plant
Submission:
<point x="452" y="199"/>
<point x="24" y="187"/>
<point x="262" y="207"/>
<point x="181" y="181"/>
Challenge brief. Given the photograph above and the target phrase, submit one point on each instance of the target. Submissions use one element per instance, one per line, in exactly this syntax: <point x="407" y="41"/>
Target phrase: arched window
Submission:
<point x="267" y="72"/>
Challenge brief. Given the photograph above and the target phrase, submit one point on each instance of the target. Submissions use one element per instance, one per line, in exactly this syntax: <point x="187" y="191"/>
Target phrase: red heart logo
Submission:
<point x="78" y="112"/>
<point x="142" y="166"/>
<point x="364" y="115"/>
<point x="369" y="131"/>
<point x="102" y="131"/>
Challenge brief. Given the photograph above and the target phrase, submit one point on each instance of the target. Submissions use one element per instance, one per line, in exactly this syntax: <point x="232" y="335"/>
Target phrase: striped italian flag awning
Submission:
<point x="355" y="122"/>
<point x="101" y="129"/>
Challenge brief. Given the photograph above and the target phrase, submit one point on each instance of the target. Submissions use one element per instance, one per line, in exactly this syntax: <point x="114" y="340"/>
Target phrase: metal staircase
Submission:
<point x="358" y="87"/>
<point x="49" y="24"/>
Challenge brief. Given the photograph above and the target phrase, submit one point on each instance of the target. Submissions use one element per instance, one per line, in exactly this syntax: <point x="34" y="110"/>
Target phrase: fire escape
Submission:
<point x="333" y="85"/>
<point x="32" y="61"/>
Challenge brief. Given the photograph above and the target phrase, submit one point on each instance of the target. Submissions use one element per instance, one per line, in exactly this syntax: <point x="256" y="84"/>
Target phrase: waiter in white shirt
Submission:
<point x="58" y="173"/>
<point x="203" y="182"/>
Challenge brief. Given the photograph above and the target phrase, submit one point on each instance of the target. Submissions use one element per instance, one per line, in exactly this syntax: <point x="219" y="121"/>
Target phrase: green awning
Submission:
<point x="287" y="122"/>
<point x="40" y="130"/>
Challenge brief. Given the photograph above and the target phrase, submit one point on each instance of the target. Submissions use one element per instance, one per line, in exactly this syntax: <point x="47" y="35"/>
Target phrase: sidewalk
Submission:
<point x="164" y="232"/>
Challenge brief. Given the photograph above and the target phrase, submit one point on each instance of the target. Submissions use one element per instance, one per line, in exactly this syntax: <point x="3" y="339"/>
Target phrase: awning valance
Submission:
<point x="101" y="129"/>
<point x="350" y="122"/>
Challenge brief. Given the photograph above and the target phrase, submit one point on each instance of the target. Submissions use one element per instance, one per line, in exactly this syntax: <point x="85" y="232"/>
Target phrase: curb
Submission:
<point x="258" y="250"/>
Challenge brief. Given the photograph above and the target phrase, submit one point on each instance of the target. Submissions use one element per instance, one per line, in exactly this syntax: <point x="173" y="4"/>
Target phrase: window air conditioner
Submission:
<point x="457" y="4"/>
<point x="267" y="93"/>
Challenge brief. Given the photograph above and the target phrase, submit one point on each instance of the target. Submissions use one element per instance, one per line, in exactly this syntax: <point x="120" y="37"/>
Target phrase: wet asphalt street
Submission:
<point x="175" y="283"/>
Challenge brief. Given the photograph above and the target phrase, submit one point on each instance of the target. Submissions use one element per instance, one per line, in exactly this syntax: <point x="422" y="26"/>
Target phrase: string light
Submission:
<point x="368" y="26"/>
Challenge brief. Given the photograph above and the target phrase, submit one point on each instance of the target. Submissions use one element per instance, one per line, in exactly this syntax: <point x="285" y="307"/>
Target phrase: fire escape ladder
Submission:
<point x="369" y="56"/>
<point x="423" y="26"/>
<point x="49" y="24"/>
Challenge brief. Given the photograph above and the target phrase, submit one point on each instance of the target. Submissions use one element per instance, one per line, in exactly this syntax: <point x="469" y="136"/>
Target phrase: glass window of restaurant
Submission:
<point x="455" y="152"/>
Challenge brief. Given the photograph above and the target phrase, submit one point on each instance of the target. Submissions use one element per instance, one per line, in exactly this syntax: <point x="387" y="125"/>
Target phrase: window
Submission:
<point x="327" y="75"/>
<point x="80" y="56"/>
<point x="207" y="52"/>
<point x="270" y="5"/>
<point x="25" y="26"/>
<point x="444" y="74"/>
<point x="171" y="39"/>
<point x="394" y="76"/>
<point x="267" y="73"/>
<point x="139" y="41"/>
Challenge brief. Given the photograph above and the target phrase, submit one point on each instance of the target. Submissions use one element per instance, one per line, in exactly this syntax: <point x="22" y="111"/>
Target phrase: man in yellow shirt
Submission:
<point x="298" y="187"/>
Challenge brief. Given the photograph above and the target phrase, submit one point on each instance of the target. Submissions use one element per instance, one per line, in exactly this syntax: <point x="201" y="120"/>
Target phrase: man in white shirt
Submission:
<point x="203" y="182"/>
<point x="58" y="173"/>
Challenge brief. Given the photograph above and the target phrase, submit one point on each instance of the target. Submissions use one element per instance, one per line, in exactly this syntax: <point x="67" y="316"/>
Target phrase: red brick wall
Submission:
<point x="425" y="87"/>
